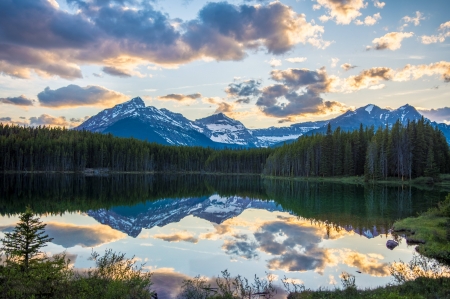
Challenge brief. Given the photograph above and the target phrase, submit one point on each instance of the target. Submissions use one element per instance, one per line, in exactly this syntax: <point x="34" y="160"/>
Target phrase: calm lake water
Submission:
<point x="183" y="226"/>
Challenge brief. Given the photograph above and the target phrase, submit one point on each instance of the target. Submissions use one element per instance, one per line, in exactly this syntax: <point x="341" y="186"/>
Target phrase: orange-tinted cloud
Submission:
<point x="177" y="237"/>
<point x="180" y="97"/>
<point x="40" y="37"/>
<point x="341" y="11"/>
<point x="391" y="41"/>
<point x="75" y="96"/>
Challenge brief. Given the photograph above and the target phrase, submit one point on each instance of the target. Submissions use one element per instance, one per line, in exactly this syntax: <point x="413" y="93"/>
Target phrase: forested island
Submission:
<point x="414" y="150"/>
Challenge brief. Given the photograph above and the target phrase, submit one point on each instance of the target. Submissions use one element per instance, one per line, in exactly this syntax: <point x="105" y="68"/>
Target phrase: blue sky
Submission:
<point x="263" y="63"/>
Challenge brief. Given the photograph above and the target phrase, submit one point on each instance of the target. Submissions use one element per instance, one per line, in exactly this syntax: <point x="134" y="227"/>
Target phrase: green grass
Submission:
<point x="421" y="288"/>
<point x="431" y="229"/>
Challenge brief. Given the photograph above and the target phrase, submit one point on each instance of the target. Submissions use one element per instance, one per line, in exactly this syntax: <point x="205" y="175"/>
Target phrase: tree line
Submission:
<point x="404" y="151"/>
<point x="56" y="149"/>
<point x="414" y="150"/>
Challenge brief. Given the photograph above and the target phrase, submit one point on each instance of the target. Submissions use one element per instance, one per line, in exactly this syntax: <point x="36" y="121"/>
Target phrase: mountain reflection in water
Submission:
<point x="182" y="226"/>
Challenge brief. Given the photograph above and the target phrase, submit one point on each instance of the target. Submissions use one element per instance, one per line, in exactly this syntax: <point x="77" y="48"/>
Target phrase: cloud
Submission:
<point x="295" y="247"/>
<point x="378" y="4"/>
<point x="243" y="248"/>
<point x="41" y="38"/>
<point x="5" y="119"/>
<point x="177" y="237"/>
<point x="391" y="40"/>
<point x="299" y="94"/>
<point x="341" y="11"/>
<point x="369" y="20"/>
<point x="368" y="78"/>
<point x="369" y="264"/>
<point x="444" y="32"/>
<point x="48" y="120"/>
<point x="115" y="72"/>
<point x="70" y="235"/>
<point x="274" y="62"/>
<point x="74" y="95"/>
<point x="334" y="62"/>
<point x="19" y="101"/>
<point x="244" y="91"/>
<point x="371" y="78"/>
<point x="439" y="115"/>
<point x="414" y="72"/>
<point x="296" y="59"/>
<point x="415" y="20"/>
<point x="347" y="66"/>
<point x="180" y="97"/>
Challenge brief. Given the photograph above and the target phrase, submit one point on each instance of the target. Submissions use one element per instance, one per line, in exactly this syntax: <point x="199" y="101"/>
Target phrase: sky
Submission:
<point x="263" y="63"/>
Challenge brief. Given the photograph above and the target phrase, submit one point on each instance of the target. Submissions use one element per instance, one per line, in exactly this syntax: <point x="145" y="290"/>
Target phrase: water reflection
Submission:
<point x="182" y="226"/>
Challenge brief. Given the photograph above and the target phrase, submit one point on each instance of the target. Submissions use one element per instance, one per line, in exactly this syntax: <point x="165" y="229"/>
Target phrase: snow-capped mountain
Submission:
<point x="216" y="209"/>
<point x="221" y="128"/>
<point x="133" y="119"/>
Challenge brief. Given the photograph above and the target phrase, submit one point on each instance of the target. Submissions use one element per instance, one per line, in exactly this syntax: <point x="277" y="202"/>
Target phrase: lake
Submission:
<point x="188" y="225"/>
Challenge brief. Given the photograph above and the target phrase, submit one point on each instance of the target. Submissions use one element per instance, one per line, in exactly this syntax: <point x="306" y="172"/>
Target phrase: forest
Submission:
<point x="414" y="150"/>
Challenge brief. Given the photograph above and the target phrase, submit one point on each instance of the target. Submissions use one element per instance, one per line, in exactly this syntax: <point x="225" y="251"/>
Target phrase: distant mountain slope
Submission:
<point x="133" y="119"/>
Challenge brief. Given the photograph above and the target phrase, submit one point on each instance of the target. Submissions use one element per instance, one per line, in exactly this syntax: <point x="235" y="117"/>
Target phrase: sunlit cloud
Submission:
<point x="415" y="20"/>
<point x="296" y="59"/>
<point x="347" y="66"/>
<point x="334" y="62"/>
<point x="391" y="41"/>
<point x="177" y="237"/>
<point x="444" y="32"/>
<point x="378" y="4"/>
<point x="181" y="97"/>
<point x="341" y="11"/>
<point x="92" y="36"/>
<point x="70" y="235"/>
<point x="274" y="62"/>
<point x="75" y="96"/>
<point x="366" y="263"/>
<point x="369" y="20"/>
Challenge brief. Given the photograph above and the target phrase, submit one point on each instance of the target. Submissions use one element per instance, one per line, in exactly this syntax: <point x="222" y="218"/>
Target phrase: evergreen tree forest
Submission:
<point x="414" y="150"/>
<point x="56" y="149"/>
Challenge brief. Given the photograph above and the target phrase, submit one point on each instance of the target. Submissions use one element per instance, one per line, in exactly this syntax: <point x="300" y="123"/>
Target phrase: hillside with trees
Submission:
<point x="414" y="150"/>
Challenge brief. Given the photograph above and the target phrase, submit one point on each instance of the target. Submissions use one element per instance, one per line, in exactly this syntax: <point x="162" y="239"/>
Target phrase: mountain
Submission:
<point x="216" y="209"/>
<point x="133" y="119"/>
<point x="370" y="115"/>
<point x="221" y="128"/>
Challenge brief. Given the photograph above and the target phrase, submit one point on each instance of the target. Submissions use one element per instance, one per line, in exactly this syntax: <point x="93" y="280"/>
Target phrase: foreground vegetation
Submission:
<point x="26" y="272"/>
<point x="431" y="230"/>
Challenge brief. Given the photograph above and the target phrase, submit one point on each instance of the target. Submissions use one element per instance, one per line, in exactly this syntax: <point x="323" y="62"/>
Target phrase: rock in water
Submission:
<point x="391" y="244"/>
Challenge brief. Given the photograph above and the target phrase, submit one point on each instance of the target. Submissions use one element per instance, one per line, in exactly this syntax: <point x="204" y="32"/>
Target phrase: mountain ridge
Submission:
<point x="133" y="119"/>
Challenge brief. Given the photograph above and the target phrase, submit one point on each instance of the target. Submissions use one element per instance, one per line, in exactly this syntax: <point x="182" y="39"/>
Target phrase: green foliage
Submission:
<point x="415" y="150"/>
<point x="22" y="246"/>
<point x="114" y="276"/>
<point x="28" y="273"/>
<point x="431" y="230"/>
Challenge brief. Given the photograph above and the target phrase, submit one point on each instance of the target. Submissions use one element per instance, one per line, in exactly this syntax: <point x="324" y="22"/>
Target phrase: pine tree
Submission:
<point x="22" y="246"/>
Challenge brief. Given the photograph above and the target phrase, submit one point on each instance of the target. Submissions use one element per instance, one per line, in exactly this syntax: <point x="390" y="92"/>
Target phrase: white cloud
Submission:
<point x="444" y="29"/>
<point x="378" y="4"/>
<point x="415" y="20"/>
<point x="342" y="12"/>
<point x="296" y="59"/>
<point x="334" y="62"/>
<point x="369" y="20"/>
<point x="274" y="62"/>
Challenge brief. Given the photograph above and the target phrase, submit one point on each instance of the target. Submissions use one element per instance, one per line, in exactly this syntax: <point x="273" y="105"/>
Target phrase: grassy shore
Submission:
<point x="421" y="288"/>
<point x="431" y="230"/>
